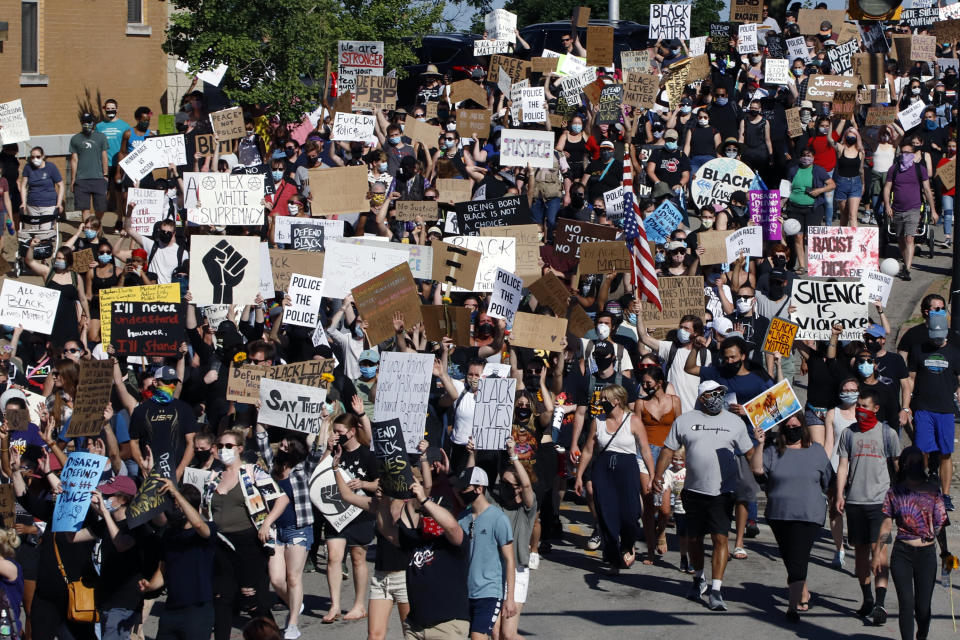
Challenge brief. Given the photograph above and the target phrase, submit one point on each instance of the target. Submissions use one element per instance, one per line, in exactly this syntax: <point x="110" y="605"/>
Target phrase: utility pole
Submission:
<point x="613" y="8"/>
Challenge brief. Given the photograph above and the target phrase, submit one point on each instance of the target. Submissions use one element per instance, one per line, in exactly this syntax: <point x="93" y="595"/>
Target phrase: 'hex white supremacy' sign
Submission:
<point x="226" y="199"/>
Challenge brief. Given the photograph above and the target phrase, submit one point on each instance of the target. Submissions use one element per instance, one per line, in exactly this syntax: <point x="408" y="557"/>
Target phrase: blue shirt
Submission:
<point x="487" y="533"/>
<point x="41" y="182"/>
<point x="114" y="133"/>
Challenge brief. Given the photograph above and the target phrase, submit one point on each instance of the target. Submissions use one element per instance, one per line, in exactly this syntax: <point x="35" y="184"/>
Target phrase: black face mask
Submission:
<point x="606" y="406"/>
<point x="776" y="291"/>
<point x="873" y="346"/>
<point x="576" y="200"/>
<point x="508" y="497"/>
<point x="165" y="237"/>
<point x="522" y="414"/>
<point x="792" y="435"/>
<point x="730" y="368"/>
<point x="469" y="496"/>
<point x="202" y="456"/>
<point x="779" y="261"/>
<point x="531" y="382"/>
<point x="603" y="363"/>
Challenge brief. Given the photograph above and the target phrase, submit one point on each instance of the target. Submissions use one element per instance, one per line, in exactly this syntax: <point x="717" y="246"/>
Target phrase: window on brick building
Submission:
<point x="134" y="11"/>
<point x="29" y="46"/>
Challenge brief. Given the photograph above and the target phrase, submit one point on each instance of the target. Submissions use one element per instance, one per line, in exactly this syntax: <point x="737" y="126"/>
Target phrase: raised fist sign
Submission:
<point x="225" y="268"/>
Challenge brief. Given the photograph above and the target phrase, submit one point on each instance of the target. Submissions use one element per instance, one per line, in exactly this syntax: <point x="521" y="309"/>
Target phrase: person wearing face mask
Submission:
<point x="669" y="164"/>
<point x="462" y="396"/>
<point x="86" y="236"/>
<point x="890" y="367"/>
<point x="395" y="148"/>
<point x="795" y="474"/>
<point x="849" y="176"/>
<point x="164" y="253"/>
<point x="837" y="419"/>
<point x="603" y="174"/>
<point x="251" y="150"/>
<point x="865" y="368"/>
<point x="113" y="128"/>
<point x="755" y="138"/>
<point x="934" y="367"/>
<point x="657" y="409"/>
<point x="908" y="182"/>
<point x="378" y="169"/>
<point x="366" y="383"/>
<point x="682" y="118"/>
<point x="615" y="441"/>
<point x="104" y="275"/>
<point x="573" y="145"/>
<point x="89" y="167"/>
<point x="409" y="181"/>
<point x="277" y="203"/>
<point x="578" y="209"/>
<point x="883" y="158"/>
<point x="809" y="201"/>
<point x="60" y="277"/>
<point x="700" y="142"/>
<point x="863" y="479"/>
<point x="713" y="438"/>
<point x="932" y="136"/>
<point x="745" y="319"/>
<point x="166" y="425"/>
<point x="947" y="195"/>
<point x="913" y="93"/>
<point x="674" y="351"/>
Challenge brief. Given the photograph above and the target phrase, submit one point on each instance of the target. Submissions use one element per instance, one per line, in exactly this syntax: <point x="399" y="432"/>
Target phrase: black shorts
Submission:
<point x="84" y="189"/>
<point x="359" y="533"/>
<point x="807" y="216"/>
<point x="707" y="515"/>
<point x="863" y="523"/>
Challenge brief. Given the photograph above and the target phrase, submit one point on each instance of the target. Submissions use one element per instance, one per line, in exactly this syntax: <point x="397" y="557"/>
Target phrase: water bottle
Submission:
<point x="557" y="422"/>
<point x="657" y="499"/>
<point x="945" y="576"/>
<point x="5" y="630"/>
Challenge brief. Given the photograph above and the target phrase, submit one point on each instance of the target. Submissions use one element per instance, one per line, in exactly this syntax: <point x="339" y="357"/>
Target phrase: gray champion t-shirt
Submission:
<point x="712" y="444"/>
<point x="868" y="477"/>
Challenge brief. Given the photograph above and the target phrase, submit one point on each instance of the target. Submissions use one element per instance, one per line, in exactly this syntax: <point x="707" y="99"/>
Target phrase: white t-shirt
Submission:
<point x="625" y="364"/>
<point x="685" y="384"/>
<point x="351" y="347"/>
<point x="466" y="403"/>
<point x="165" y="260"/>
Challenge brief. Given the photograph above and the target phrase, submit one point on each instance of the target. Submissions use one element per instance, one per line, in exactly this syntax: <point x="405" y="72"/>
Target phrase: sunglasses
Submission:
<point x="255" y="361"/>
<point x="746" y="297"/>
<point x="868" y="360"/>
<point x="715" y="393"/>
<point x="226" y="445"/>
<point x="36" y="157"/>
<point x="450" y="139"/>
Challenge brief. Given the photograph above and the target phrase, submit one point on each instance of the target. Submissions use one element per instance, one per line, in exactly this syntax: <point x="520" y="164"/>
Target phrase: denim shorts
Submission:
<point x="300" y="536"/>
<point x="848" y="188"/>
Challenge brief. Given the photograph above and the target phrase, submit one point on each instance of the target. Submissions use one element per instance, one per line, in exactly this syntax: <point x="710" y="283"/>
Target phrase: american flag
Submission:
<point x="643" y="275"/>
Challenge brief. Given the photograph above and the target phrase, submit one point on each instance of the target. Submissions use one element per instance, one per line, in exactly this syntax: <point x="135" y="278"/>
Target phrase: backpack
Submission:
<point x="181" y="249"/>
<point x="619" y="354"/>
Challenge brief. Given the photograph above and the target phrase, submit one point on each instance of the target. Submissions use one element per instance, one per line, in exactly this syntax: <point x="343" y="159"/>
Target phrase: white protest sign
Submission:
<point x="819" y="305"/>
<point x="797" y="48"/>
<point x="305" y="293"/>
<point x="520" y="147"/>
<point x="403" y="391"/>
<point x="497" y="252"/>
<point x="13" y="122"/>
<point x="613" y="202"/>
<point x="332" y="229"/>
<point x="173" y="149"/>
<point x="500" y="24"/>
<point x="150" y="208"/>
<point x="141" y="161"/>
<point x="507" y="293"/>
<point x="572" y="85"/>
<point x="326" y="498"/>
<point x="291" y="406"/>
<point x="267" y="288"/>
<point x="490" y="47"/>
<point x="357" y="58"/>
<point x="493" y="415"/>
<point x="347" y="265"/>
<point x="503" y="81"/>
<point x="698" y="45"/>
<point x="877" y="286"/>
<point x="420" y="257"/>
<point x="210" y="76"/>
<point x="912" y="115"/>
<point x="352" y="127"/>
<point x="224" y="269"/>
<point x="776" y="71"/>
<point x="669" y="21"/>
<point x="746" y="241"/>
<point x="196" y="477"/>
<point x="533" y="104"/>
<point x="29" y="305"/>
<point x="747" y="39"/>
<point x="225" y="198"/>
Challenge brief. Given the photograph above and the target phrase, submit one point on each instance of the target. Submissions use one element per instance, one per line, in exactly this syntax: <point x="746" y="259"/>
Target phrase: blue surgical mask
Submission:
<point x="632" y="318"/>
<point x="329" y="406"/>
<point x="576" y="128"/>
<point x="686" y="109"/>
<point x="683" y="335"/>
<point x="798" y="72"/>
<point x="865" y="369"/>
<point x="847" y="398"/>
<point x="60" y="264"/>
<point x="89" y="234"/>
<point x="367" y="373"/>
<point x="358" y="332"/>
<point x="395" y="140"/>
<point x="672" y="146"/>
<point x="383" y="167"/>
<point x="930" y="124"/>
<point x="449" y="144"/>
<point x="722" y="101"/>
<point x="104" y="258"/>
<point x="277" y="175"/>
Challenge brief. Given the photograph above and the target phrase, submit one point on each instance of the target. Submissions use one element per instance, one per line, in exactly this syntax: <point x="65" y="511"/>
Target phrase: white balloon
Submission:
<point x="791" y="227"/>
<point x="890" y="267"/>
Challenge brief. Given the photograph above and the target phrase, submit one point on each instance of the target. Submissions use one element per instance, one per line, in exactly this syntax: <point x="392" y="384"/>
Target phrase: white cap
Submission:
<point x="722" y="325"/>
<point x="709" y="385"/>
<point x="8" y="395"/>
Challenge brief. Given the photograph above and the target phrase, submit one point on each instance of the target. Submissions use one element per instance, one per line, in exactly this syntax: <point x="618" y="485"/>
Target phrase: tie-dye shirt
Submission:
<point x="918" y="514"/>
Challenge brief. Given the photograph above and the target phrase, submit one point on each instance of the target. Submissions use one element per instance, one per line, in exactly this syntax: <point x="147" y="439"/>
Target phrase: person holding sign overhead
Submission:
<point x="72" y="307"/>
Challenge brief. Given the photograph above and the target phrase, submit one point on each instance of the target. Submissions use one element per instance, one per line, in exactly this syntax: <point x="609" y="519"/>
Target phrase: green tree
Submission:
<point x="276" y="50"/>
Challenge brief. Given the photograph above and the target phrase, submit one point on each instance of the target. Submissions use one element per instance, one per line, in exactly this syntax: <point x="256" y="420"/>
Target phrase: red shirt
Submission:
<point x="824" y="155"/>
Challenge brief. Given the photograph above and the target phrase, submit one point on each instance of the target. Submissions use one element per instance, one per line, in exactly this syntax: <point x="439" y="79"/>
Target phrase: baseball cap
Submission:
<point x="826" y="25"/>
<point x="87" y="118"/>
<point x="471" y="476"/>
<point x="671" y="134"/>
<point x="613" y="307"/>
<point x="9" y="395"/>
<point x="709" y="385"/>
<point x="435" y="229"/>
<point x="369" y="355"/>
<point x="606" y="144"/>
<point x="118" y="484"/>
<point x="806" y="104"/>
<point x="675" y="244"/>
<point x="937" y="326"/>
<point x="167" y="374"/>
<point x="876" y="331"/>
<point x="603" y="350"/>
<point x="722" y="326"/>
<point x="830" y="42"/>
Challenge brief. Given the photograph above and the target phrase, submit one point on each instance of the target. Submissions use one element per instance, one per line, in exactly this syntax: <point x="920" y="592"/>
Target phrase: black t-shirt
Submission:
<point x="824" y="382"/>
<point x="937" y="369"/>
<point x="669" y="165"/>
<point x="188" y="564"/>
<point x="164" y="428"/>
<point x="361" y="463"/>
<point x="917" y="335"/>
<point x="120" y="571"/>
<point x="891" y="369"/>
<point x="889" y="401"/>
<point x="436" y="578"/>
<point x="600" y="383"/>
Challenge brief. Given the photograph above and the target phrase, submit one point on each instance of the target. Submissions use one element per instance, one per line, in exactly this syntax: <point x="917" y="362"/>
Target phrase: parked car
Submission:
<point x="444" y="50"/>
<point x="627" y="36"/>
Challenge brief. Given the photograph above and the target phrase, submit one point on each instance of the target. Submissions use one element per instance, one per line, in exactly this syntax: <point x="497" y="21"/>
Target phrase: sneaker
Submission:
<point x="906" y="275"/>
<point x="594" y="542"/>
<point x="838" y="559"/>
<point x="865" y="609"/>
<point x="948" y="502"/>
<point x="879" y="615"/>
<point x="534" y="562"/>
<point x="752" y="530"/>
<point x="684" y="565"/>
<point x="698" y="589"/>
<point x="716" y="602"/>
<point x="291" y="633"/>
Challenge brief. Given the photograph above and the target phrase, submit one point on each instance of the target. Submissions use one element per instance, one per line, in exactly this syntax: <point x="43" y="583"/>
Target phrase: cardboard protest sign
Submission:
<point x="490" y="47"/>
<point x="344" y="190"/>
<point x="379" y="298"/>
<point x="496" y="252"/>
<point x="493" y="415"/>
<point x="34" y="307"/>
<point x="205" y="146"/>
<point x="403" y="391"/>
<point x="352" y="127"/>
<point x="773" y="406"/>
<point x="224" y="269"/>
<point x="307" y="237"/>
<point x="13" y="122"/>
<point x="877" y="287"/>
<point x="408" y="210"/>
<point x="516" y="68"/>
<point x="698" y="68"/>
<point x="149" y="293"/>
<point x="923" y="48"/>
<point x="282" y="226"/>
<point x="375" y="93"/>
<point x="93" y="394"/>
<point x="821" y="88"/>
<point x="422" y="132"/>
<point x="79" y="479"/>
<point x="821" y="304"/>
<point x="228" y="123"/>
<point x="604" y="257"/>
<point x="81" y="260"/>
<point x="8" y="505"/>
<point x="509" y="210"/>
<point x="810" y="20"/>
<point x="147" y="328"/>
<point x="287" y="405"/>
<point x="225" y="199"/>
<point x="396" y="476"/>
<point x="506" y="297"/>
<point x="327" y="499"/>
<point x="765" y="211"/>
<point x="464" y="90"/>
<point x="840" y="57"/>
<point x="570" y="234"/>
<point x="794" y="125"/>
<point x="347" y="265"/>
<point x="600" y="46"/>
<point x="522" y="147"/>
<point x="869" y="67"/>
<point x="608" y="111"/>
<point x="948" y="174"/>
<point x="550" y="291"/>
<point x="539" y="64"/>
<point x="682" y="295"/>
<point x="641" y="90"/>
<point x="746" y="241"/>
<point x="670" y="21"/>
<point x="305" y="293"/>
<point x="538" y="331"/>
<point x="746" y="11"/>
<point x="285" y="262"/>
<point x="455" y="265"/>
<point x="150" y="208"/>
<point x="780" y="336"/>
<point x="148" y="502"/>
<point x="877" y="116"/>
<point x="842" y="252"/>
<point x="357" y="58"/>
<point x="454" y="190"/>
<point x="873" y="96"/>
<point x="714" y="245"/>
<point x="664" y="219"/>
<point x="716" y="181"/>
<point x="446" y="321"/>
<point x="474" y="121"/>
<point x="243" y="384"/>
<point x="581" y="17"/>
<point x="527" y="247"/>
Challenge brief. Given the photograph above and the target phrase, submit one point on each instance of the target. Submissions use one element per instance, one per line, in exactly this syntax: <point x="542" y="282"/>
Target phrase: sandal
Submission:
<point x="803" y="606"/>
<point x="326" y="620"/>
<point x="629" y="558"/>
<point x="740" y="553"/>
